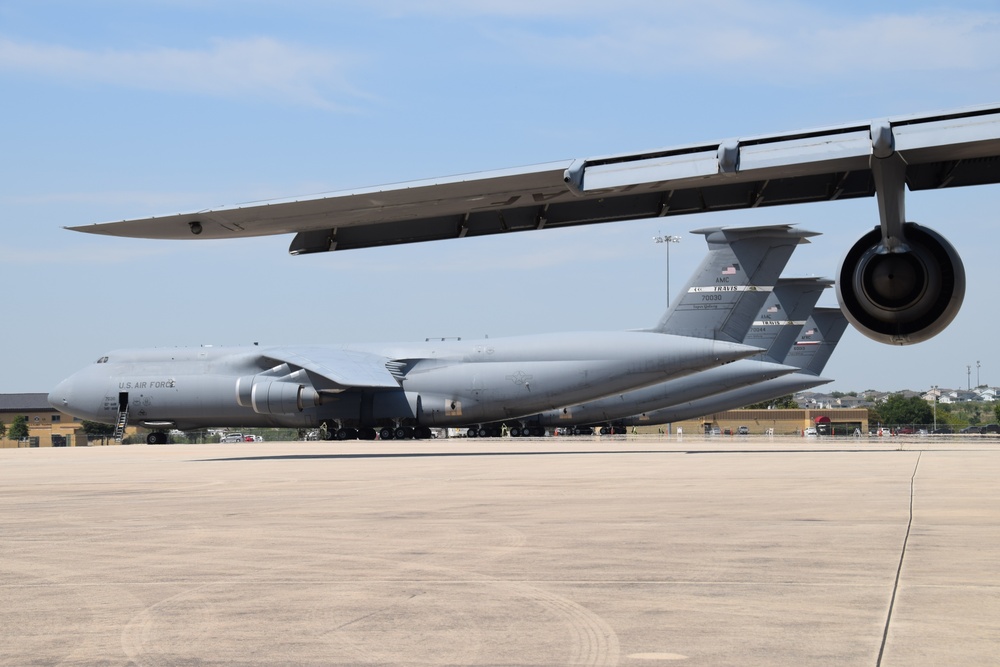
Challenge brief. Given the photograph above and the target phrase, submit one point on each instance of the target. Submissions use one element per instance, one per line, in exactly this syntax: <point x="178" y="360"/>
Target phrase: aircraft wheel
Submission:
<point x="472" y="433"/>
<point x="484" y="432"/>
<point x="515" y="432"/>
<point x="385" y="433"/>
<point x="342" y="434"/>
<point x="400" y="433"/>
<point x="366" y="434"/>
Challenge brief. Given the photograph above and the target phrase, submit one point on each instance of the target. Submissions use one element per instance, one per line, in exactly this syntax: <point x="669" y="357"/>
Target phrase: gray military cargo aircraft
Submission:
<point x="406" y="388"/>
<point x="781" y="318"/>
<point x="810" y="352"/>
<point x="900" y="283"/>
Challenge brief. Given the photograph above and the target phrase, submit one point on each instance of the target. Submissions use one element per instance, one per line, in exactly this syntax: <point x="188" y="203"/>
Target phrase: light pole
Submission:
<point x="935" y="393"/>
<point x="667" y="240"/>
<point x="968" y="377"/>
<point x="977" y="376"/>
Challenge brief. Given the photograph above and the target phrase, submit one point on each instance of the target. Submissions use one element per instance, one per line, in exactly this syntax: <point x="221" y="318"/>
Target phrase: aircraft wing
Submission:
<point x="340" y="368"/>
<point x="944" y="149"/>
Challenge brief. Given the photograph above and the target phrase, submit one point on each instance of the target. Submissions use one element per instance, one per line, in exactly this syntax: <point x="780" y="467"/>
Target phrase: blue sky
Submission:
<point x="115" y="110"/>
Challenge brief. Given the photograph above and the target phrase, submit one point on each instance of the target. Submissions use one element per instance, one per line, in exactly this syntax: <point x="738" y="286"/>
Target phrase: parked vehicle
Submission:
<point x="971" y="429"/>
<point x="743" y="430"/>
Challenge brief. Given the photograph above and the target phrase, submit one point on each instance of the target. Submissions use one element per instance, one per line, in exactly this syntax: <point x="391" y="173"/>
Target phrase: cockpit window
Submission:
<point x="102" y="360"/>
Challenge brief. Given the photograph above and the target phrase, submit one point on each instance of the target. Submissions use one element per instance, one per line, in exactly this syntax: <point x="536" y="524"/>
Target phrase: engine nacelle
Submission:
<point x="901" y="298"/>
<point x="276" y="398"/>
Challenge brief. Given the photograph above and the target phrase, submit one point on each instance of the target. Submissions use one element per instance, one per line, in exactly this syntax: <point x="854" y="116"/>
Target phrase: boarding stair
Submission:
<point x="121" y="423"/>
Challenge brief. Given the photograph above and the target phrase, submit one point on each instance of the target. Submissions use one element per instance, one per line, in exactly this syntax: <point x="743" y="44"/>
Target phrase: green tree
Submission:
<point x="18" y="428"/>
<point x="96" y="430"/>
<point x="875" y="415"/>
<point x="996" y="413"/>
<point x="975" y="416"/>
<point x="896" y="409"/>
<point x="782" y="402"/>
<point x="3" y="430"/>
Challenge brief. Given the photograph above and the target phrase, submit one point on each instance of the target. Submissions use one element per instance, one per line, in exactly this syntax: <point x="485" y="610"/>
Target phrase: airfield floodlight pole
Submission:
<point x="977" y="375"/>
<point x="968" y="377"/>
<point x="667" y="240"/>
<point x="935" y="395"/>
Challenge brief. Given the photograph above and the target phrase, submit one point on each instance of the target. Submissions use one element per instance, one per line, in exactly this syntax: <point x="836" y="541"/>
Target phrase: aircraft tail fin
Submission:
<point x="783" y="315"/>
<point x="729" y="288"/>
<point x="817" y="340"/>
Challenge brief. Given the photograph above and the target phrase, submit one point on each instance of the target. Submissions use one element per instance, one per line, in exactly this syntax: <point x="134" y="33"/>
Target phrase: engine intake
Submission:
<point x="905" y="297"/>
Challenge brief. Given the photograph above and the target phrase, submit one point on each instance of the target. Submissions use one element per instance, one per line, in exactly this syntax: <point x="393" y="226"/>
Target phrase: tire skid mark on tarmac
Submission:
<point x="596" y="643"/>
<point x="139" y="630"/>
<point x="101" y="603"/>
<point x="590" y="640"/>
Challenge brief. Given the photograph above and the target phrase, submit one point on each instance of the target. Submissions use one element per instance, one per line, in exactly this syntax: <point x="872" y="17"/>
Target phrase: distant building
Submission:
<point x="824" y="421"/>
<point x="47" y="427"/>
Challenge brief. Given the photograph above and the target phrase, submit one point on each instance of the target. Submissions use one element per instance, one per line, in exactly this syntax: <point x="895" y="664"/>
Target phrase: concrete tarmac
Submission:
<point x="559" y="551"/>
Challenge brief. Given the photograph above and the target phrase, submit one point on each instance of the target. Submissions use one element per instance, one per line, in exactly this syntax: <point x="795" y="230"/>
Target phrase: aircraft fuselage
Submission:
<point x="438" y="383"/>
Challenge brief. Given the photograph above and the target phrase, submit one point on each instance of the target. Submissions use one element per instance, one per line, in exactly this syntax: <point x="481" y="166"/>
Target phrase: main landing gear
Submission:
<point x="384" y="433"/>
<point x="405" y="433"/>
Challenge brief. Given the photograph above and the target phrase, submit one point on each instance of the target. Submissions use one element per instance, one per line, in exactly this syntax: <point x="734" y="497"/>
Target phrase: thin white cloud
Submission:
<point x="762" y="49"/>
<point x="257" y="68"/>
<point x="763" y="40"/>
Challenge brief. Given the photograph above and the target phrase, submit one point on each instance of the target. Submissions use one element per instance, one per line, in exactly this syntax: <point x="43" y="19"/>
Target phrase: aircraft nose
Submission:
<point x="61" y="397"/>
<point x="81" y="395"/>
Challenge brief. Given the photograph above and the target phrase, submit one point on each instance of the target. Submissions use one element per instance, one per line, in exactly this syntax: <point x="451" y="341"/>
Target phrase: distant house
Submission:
<point x="851" y="402"/>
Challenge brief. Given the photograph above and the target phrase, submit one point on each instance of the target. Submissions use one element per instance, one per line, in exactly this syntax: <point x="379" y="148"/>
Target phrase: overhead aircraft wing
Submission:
<point x="340" y="368"/>
<point x="941" y="150"/>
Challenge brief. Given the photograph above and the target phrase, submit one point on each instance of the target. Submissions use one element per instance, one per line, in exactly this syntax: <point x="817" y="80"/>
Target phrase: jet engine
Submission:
<point x="268" y="397"/>
<point x="904" y="295"/>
